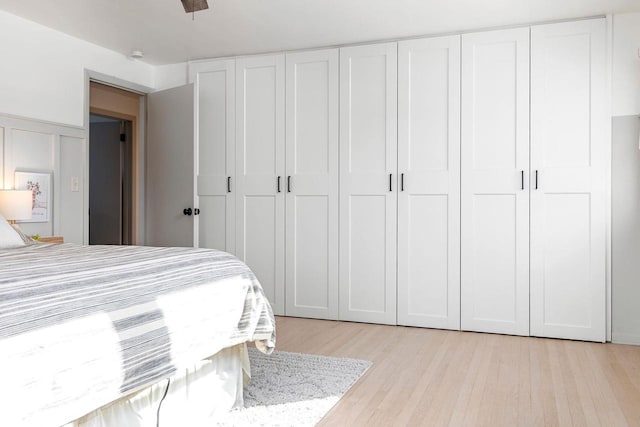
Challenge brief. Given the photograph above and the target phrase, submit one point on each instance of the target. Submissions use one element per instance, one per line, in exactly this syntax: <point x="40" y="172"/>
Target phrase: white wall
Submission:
<point x="168" y="76"/>
<point x="626" y="230"/>
<point x="625" y="179"/>
<point x="42" y="75"/>
<point x="30" y="145"/>
<point x="626" y="65"/>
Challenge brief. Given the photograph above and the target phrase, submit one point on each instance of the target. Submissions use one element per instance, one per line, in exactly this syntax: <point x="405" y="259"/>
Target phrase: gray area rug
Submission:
<point x="293" y="389"/>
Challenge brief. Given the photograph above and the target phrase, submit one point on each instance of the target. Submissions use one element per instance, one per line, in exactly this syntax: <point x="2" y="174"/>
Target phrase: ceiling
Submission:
<point x="162" y="30"/>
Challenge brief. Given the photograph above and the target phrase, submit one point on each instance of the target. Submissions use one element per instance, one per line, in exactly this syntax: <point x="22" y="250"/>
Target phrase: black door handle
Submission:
<point x="278" y="180"/>
<point x="401" y="182"/>
<point x="522" y="180"/>
<point x="536" y="179"/>
<point x="390" y="184"/>
<point x="187" y="211"/>
<point x="228" y="184"/>
<point x="196" y="211"/>
<point x="289" y="184"/>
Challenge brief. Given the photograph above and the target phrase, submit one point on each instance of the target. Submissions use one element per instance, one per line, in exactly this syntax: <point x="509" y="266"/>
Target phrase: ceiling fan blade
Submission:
<point x="194" y="5"/>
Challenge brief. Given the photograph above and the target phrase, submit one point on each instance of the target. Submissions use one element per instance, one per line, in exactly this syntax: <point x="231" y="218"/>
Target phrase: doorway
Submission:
<point x="110" y="179"/>
<point x="115" y="168"/>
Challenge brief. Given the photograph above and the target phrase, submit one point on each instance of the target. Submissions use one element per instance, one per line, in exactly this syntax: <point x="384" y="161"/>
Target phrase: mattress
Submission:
<point x="82" y="326"/>
<point x="197" y="396"/>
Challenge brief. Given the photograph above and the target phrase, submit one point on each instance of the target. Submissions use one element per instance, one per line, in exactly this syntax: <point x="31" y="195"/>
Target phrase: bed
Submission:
<point x="104" y="335"/>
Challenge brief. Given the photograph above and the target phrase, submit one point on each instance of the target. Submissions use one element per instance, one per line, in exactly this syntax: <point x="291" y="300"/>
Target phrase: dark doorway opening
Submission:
<point x="110" y="180"/>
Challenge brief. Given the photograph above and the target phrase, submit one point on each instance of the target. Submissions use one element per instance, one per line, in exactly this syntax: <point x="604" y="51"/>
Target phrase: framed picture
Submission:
<point x="40" y="185"/>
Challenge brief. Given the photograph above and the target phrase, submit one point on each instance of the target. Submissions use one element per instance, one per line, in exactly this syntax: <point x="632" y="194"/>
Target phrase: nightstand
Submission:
<point x="51" y="239"/>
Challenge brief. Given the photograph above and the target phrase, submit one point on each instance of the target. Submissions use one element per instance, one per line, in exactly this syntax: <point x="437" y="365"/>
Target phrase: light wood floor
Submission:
<point x="432" y="377"/>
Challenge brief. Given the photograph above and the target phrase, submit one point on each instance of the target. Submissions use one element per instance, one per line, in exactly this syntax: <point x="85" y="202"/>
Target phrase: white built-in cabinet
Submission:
<point x="429" y="182"/>
<point x="400" y="190"/>
<point x="260" y="171"/>
<point x="495" y="196"/>
<point x="263" y="187"/>
<point x="534" y="181"/>
<point x="312" y="184"/>
<point x="453" y="182"/>
<point x="568" y="173"/>
<point x="368" y="175"/>
<point x="215" y="164"/>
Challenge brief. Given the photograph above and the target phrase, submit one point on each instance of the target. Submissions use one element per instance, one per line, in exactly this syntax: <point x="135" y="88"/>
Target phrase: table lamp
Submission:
<point x="16" y="205"/>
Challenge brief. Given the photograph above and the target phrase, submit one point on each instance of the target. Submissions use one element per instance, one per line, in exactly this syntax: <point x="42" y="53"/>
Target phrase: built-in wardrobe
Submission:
<point x="454" y="182"/>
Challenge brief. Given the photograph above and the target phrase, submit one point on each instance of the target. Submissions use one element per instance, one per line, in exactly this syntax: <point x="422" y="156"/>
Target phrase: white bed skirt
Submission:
<point x="196" y="396"/>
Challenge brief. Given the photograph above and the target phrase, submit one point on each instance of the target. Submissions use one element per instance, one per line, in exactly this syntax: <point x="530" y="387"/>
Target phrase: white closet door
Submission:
<point x="260" y="171"/>
<point x="429" y="196"/>
<point x="215" y="164"/>
<point x="368" y="151"/>
<point x="495" y="196"/>
<point x="312" y="184"/>
<point x="568" y="204"/>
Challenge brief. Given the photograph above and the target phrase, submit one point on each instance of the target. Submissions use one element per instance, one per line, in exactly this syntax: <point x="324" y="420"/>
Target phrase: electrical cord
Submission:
<point x="166" y="390"/>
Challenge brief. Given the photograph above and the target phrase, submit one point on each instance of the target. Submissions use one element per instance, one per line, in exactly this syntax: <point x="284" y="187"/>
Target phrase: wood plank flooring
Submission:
<point x="433" y="377"/>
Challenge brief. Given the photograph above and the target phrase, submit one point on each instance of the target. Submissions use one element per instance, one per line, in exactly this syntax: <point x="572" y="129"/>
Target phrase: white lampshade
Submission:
<point x="16" y="205"/>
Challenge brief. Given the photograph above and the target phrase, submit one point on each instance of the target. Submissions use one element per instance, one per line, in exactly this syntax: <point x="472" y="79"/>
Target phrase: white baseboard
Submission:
<point x="632" y="339"/>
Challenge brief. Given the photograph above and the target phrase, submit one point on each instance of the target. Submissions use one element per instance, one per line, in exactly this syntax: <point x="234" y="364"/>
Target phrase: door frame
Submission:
<point x="138" y="173"/>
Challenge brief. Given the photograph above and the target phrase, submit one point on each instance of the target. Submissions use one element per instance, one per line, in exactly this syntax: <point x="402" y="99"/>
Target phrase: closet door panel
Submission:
<point x="368" y="259"/>
<point x="429" y="189"/>
<point x="368" y="194"/>
<point x="259" y="168"/>
<point x="312" y="184"/>
<point x="493" y="296"/>
<point x="212" y="227"/>
<point x="495" y="197"/>
<point x="310" y="290"/>
<point x="259" y="246"/>
<point x="423" y="288"/>
<point x="215" y="98"/>
<point x="568" y="222"/>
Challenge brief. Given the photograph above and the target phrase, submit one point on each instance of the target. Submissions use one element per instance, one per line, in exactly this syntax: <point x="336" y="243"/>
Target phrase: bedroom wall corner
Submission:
<point x="625" y="178"/>
<point x="626" y="65"/>
<point x="625" y="230"/>
<point x="171" y="75"/>
<point x="43" y="71"/>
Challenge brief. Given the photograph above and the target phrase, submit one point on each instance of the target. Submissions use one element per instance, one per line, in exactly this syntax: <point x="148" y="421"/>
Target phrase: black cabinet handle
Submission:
<point x="196" y="211"/>
<point x="289" y="184"/>
<point x="187" y="211"/>
<point x="401" y="182"/>
<point x="228" y="184"/>
<point x="522" y="180"/>
<point x="278" y="183"/>
<point x="536" y="179"/>
<point x="390" y="187"/>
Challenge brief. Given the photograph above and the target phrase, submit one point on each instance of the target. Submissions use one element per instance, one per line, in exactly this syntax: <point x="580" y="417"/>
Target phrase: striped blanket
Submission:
<point x="81" y="326"/>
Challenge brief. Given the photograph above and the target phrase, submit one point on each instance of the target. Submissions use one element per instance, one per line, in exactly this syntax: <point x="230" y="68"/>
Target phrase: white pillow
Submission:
<point x="9" y="238"/>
